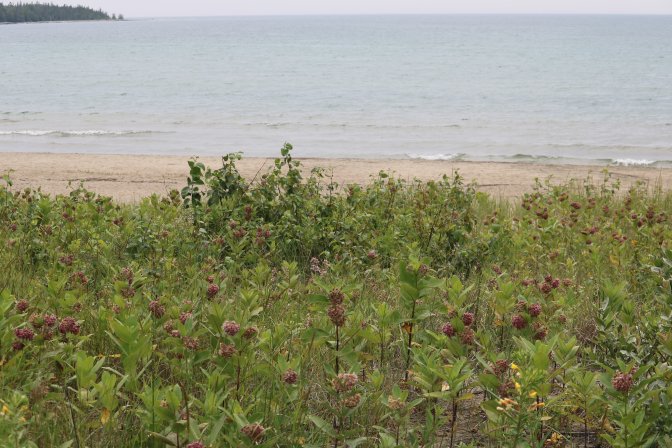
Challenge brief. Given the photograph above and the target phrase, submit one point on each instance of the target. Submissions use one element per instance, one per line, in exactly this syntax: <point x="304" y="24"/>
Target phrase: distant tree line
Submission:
<point x="43" y="12"/>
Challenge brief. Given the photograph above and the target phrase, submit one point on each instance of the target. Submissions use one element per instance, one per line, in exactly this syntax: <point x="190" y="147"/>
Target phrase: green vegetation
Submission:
<point x="291" y="311"/>
<point x="43" y="12"/>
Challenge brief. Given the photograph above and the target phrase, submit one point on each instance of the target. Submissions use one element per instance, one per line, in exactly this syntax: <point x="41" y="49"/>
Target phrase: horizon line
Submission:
<point x="373" y="14"/>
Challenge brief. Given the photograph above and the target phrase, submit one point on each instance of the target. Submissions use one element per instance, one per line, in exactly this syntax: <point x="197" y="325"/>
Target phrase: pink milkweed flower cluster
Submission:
<point x="518" y="322"/>
<point x="448" y="330"/>
<point x="69" y="325"/>
<point x="26" y="334"/>
<point x="50" y="320"/>
<point x="337" y="315"/>
<point x="622" y="382"/>
<point x="22" y="305"/>
<point x="336" y="312"/>
<point x="345" y="382"/>
<point x="290" y="377"/>
<point x="254" y="431"/>
<point x="534" y="309"/>
<point x="467" y="334"/>
<point x="500" y="367"/>
<point x="352" y="401"/>
<point x="79" y="277"/>
<point x="169" y="326"/>
<point x="127" y="274"/>
<point x="262" y="236"/>
<point x="190" y="343"/>
<point x="157" y="309"/>
<point x="250" y="332"/>
<point x="231" y="328"/>
<point x="212" y="291"/>
<point x="227" y="350"/>
<point x="318" y="267"/>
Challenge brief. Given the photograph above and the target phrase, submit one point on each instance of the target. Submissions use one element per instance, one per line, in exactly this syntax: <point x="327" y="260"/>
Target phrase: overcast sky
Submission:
<point x="156" y="8"/>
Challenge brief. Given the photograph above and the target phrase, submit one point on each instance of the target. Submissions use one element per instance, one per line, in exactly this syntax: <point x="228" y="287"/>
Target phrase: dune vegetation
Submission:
<point x="290" y="311"/>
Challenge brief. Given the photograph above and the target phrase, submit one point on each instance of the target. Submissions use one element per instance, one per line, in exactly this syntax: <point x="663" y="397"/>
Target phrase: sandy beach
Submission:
<point x="129" y="178"/>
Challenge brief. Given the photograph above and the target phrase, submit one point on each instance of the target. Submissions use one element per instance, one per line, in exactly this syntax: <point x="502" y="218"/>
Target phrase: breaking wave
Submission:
<point x="633" y="162"/>
<point x="458" y="156"/>
<point x="84" y="133"/>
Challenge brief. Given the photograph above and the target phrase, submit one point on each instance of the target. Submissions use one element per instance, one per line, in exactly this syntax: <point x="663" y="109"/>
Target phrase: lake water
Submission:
<point x="563" y="89"/>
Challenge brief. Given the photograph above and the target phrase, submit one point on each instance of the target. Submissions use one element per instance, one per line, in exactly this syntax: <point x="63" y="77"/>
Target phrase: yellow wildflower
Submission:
<point x="536" y="406"/>
<point x="554" y="440"/>
<point x="533" y="394"/>
<point x="517" y="384"/>
<point x="606" y="425"/>
<point x="104" y="416"/>
<point x="506" y="403"/>
<point x="514" y="366"/>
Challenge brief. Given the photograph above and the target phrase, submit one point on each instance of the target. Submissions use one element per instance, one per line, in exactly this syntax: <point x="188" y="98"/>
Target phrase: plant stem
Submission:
<point x="337" y="426"/>
<point x="337" y="350"/>
<point x="453" y="423"/>
<point x="398" y="428"/>
<point x="185" y="397"/>
<point x="410" y="340"/>
<point x="541" y="429"/>
<point x="625" y="427"/>
<point x="238" y="378"/>
<point x="72" y="416"/>
<point x="518" y="424"/>
<point x="382" y="347"/>
<point x="585" y="423"/>
<point x="478" y="291"/>
<point x="408" y="350"/>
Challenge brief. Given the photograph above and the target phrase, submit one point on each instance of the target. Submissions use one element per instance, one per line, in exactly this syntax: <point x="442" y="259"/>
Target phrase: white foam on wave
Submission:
<point x="435" y="156"/>
<point x="90" y="132"/>
<point x="633" y="162"/>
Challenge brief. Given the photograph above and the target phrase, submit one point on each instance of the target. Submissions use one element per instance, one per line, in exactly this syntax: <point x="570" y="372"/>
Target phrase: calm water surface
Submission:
<point x="569" y="89"/>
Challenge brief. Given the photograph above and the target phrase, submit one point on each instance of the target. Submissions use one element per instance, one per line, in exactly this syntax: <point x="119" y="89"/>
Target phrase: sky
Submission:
<point x="175" y="8"/>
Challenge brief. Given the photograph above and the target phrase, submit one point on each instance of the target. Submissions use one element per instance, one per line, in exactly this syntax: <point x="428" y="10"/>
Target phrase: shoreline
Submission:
<point x="128" y="178"/>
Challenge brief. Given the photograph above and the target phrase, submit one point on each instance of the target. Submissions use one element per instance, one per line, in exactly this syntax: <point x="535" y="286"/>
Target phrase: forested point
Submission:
<point x="39" y="12"/>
